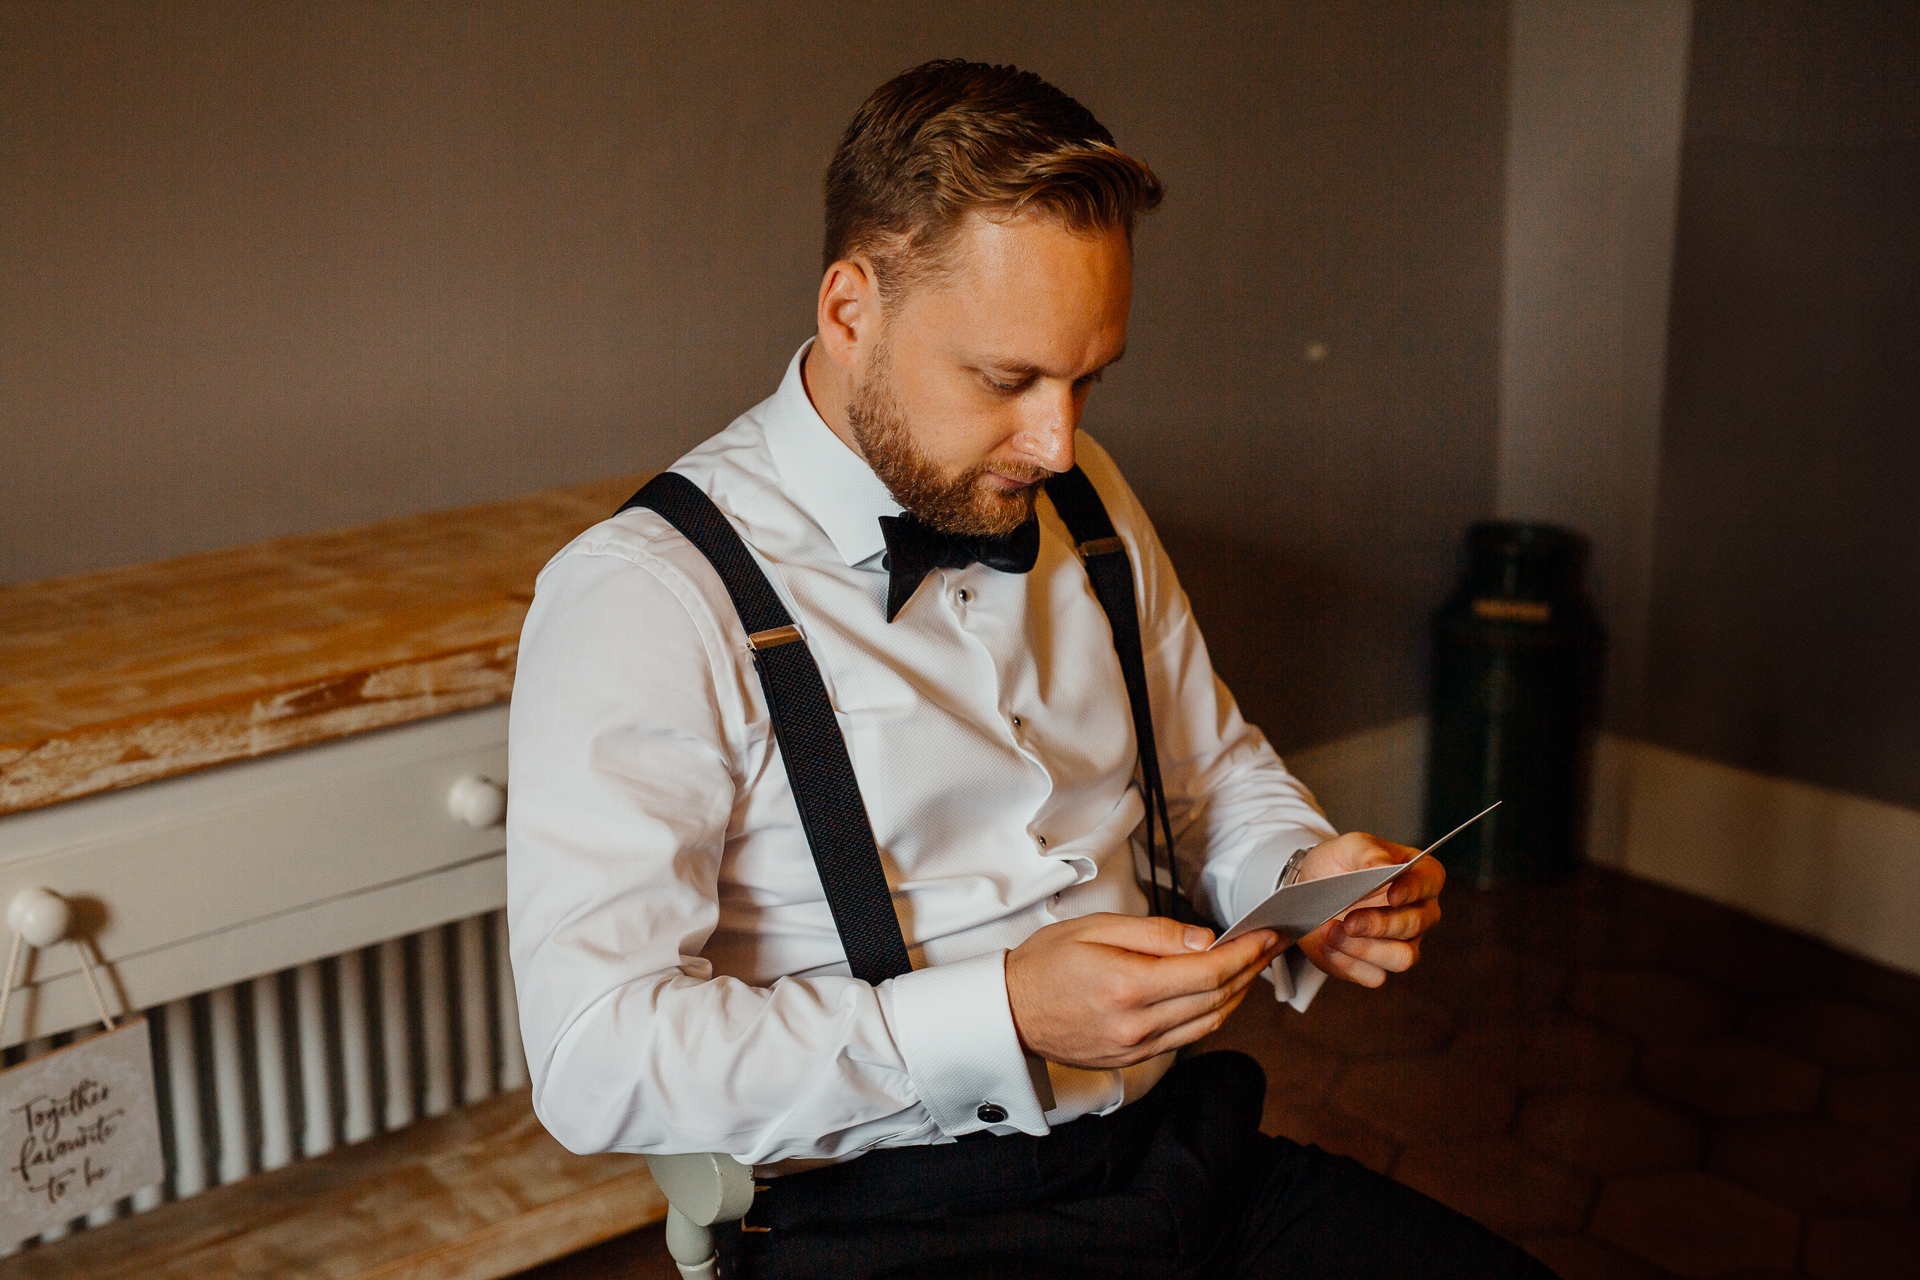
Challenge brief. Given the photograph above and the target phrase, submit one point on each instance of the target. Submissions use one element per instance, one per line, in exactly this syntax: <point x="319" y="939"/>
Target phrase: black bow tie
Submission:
<point x="915" y="549"/>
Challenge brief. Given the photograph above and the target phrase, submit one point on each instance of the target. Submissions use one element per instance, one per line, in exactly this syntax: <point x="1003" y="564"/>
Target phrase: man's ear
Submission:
<point x="848" y="314"/>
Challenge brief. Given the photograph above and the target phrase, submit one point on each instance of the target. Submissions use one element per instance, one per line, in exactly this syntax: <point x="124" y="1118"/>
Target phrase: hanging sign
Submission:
<point x="79" y="1128"/>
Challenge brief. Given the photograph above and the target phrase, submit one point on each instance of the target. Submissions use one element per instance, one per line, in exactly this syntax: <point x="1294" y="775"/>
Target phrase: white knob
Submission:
<point x="39" y="916"/>
<point x="479" y="802"/>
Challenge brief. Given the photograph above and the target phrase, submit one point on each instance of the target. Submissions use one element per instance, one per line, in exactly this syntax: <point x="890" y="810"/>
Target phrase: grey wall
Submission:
<point x="276" y="267"/>
<point x="1786" y="608"/>
<point x="1594" y="120"/>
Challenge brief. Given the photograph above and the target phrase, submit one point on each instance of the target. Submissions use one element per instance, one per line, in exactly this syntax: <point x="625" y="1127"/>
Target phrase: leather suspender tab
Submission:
<point x="772" y="638"/>
<point x="1101" y="547"/>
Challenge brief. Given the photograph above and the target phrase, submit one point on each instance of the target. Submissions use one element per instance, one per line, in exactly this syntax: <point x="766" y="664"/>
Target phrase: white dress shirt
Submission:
<point x="681" y="983"/>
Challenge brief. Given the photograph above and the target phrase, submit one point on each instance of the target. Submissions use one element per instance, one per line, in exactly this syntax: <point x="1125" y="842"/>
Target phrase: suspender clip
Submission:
<point x="1100" y="547"/>
<point x="772" y="639"/>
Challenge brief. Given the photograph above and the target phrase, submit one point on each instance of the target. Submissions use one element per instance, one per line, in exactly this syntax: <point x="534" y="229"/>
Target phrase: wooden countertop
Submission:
<point x="116" y="678"/>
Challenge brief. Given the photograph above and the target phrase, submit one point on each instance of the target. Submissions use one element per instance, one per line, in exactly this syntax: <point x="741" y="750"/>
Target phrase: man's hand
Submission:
<point x="1111" y="990"/>
<point x="1382" y="935"/>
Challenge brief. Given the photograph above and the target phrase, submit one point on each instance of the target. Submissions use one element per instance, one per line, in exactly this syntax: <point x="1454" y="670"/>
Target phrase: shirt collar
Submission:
<point x="825" y="478"/>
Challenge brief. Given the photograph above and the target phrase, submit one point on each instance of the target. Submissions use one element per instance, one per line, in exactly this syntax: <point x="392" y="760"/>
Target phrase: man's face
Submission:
<point x="973" y="391"/>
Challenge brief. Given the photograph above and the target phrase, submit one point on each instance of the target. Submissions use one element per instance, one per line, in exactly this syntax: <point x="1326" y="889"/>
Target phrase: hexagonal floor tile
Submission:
<point x="1584" y="1258"/>
<point x="1812" y="1165"/>
<point x="1737" y="953"/>
<point x="1875" y="985"/>
<point x="1730" y="1076"/>
<point x="1487" y="981"/>
<point x="1695" y="1225"/>
<point x="1861" y="1249"/>
<point x="1833" y="1032"/>
<point x="1650" y="1004"/>
<point x="1552" y="1051"/>
<point x="1886" y="1104"/>
<point x="1609" y="1133"/>
<point x="1390" y="1020"/>
<point x="1598" y="919"/>
<point x="1497" y="1181"/>
<point x="1434" y="1097"/>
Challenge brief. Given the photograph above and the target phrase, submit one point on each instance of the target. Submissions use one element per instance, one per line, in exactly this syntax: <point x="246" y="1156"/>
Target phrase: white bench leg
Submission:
<point x="701" y="1189"/>
<point x="691" y="1246"/>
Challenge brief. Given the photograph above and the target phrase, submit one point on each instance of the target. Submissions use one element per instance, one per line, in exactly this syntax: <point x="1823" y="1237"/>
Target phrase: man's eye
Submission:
<point x="1006" y="387"/>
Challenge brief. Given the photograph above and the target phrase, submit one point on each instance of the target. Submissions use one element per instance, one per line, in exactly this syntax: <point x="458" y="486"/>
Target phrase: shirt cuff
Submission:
<point x="1260" y="874"/>
<point x="955" y="1031"/>
<point x="1295" y="979"/>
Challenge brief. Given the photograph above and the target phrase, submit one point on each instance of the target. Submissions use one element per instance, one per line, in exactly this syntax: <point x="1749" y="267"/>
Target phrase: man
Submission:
<point x="1011" y="1105"/>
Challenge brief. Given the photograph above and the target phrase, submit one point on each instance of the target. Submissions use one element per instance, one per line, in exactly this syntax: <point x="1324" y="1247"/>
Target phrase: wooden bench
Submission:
<point x="479" y="1193"/>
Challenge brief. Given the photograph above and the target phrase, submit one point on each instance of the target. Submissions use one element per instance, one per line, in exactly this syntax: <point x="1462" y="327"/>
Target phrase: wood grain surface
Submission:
<point x="480" y="1193"/>
<point x="122" y="677"/>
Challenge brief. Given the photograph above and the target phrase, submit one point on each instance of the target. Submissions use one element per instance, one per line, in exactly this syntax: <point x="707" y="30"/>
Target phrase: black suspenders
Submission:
<point x="1111" y="573"/>
<point x="825" y="790"/>
<point x="828" y="795"/>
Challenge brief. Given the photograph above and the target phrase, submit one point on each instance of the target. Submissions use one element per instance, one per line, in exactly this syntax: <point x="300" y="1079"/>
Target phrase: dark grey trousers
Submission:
<point x="1179" y="1186"/>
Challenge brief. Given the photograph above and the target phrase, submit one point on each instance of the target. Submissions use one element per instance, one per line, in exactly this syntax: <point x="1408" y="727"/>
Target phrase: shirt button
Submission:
<point x="1042" y="840"/>
<point x="1016" y="722"/>
<point x="990" y="1114"/>
<point x="964" y="597"/>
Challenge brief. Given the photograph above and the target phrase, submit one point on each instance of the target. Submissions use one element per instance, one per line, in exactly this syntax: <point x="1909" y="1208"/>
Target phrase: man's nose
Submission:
<point x="1047" y="437"/>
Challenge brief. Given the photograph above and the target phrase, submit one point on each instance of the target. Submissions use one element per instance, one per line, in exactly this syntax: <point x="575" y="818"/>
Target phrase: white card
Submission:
<point x="1299" y="909"/>
<point x="81" y="1129"/>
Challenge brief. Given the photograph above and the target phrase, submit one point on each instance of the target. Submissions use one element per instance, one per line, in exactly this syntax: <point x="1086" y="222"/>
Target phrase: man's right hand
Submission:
<point x="1110" y="990"/>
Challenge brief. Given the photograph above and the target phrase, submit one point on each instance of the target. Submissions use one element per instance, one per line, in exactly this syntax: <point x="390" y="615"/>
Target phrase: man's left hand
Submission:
<point x="1382" y="935"/>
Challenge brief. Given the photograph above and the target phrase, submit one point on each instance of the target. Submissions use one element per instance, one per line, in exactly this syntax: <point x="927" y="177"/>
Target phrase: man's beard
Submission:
<point x="968" y="503"/>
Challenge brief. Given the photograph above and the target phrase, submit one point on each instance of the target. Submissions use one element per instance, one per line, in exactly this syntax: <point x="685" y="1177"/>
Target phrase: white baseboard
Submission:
<point x="1836" y="866"/>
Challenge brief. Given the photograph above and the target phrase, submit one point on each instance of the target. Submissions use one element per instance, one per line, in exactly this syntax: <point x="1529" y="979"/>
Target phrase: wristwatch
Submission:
<point x="1291" y="872"/>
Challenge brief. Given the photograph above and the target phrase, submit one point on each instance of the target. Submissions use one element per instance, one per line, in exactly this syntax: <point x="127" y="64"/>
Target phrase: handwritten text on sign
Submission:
<point x="78" y="1129"/>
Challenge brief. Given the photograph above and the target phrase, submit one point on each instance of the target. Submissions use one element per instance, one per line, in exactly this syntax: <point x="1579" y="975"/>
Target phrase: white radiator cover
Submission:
<point x="318" y="944"/>
<point x="258" y="1073"/>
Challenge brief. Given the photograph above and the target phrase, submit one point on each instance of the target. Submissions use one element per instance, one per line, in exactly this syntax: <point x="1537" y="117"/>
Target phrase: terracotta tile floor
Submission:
<point x="1628" y="1080"/>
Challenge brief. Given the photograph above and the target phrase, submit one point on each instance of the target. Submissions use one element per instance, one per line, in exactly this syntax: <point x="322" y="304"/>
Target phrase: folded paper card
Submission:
<point x="1299" y="909"/>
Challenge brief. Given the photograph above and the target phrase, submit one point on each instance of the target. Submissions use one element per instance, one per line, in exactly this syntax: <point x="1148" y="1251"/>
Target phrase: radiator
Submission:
<point x="260" y="1073"/>
<point x="280" y="924"/>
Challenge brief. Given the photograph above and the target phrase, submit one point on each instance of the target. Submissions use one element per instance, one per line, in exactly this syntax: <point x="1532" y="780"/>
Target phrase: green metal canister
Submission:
<point x="1515" y="687"/>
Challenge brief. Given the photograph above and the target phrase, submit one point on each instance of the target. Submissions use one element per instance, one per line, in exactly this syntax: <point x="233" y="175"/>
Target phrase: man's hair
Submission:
<point x="950" y="138"/>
